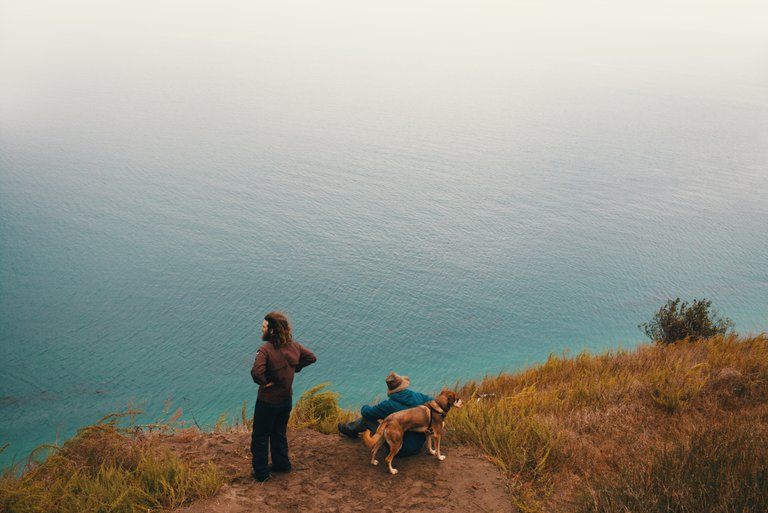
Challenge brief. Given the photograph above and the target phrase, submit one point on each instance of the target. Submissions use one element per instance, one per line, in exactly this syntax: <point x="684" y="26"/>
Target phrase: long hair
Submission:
<point x="278" y="329"/>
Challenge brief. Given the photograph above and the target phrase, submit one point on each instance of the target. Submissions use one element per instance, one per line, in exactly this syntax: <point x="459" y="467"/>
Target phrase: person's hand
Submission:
<point x="269" y="384"/>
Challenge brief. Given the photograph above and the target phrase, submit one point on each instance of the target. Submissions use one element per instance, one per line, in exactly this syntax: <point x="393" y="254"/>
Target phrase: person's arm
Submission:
<point x="306" y="357"/>
<point x="422" y="398"/>
<point x="378" y="411"/>
<point x="259" y="369"/>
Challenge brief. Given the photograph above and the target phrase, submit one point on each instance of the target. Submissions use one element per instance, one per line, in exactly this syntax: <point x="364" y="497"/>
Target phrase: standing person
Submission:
<point x="400" y="398"/>
<point x="278" y="358"/>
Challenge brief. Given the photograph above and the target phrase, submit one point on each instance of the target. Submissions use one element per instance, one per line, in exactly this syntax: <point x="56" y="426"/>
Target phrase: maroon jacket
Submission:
<point x="277" y="366"/>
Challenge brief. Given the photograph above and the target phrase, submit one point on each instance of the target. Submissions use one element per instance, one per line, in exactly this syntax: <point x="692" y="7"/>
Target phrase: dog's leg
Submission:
<point x="431" y="444"/>
<point x="393" y="449"/>
<point x="379" y="439"/>
<point x="395" y="441"/>
<point x="375" y="449"/>
<point x="439" y="436"/>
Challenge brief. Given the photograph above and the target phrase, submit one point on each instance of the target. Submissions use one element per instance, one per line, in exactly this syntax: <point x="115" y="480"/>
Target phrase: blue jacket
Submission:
<point x="412" y="441"/>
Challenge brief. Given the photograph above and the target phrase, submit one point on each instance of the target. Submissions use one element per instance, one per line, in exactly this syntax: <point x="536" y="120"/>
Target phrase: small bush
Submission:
<point x="677" y="320"/>
<point x="319" y="409"/>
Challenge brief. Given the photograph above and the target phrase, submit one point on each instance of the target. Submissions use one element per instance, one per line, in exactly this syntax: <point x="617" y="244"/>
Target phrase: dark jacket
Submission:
<point x="412" y="441"/>
<point x="277" y="366"/>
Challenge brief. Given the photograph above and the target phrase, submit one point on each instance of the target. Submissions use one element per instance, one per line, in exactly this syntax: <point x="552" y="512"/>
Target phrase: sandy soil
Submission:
<point x="333" y="474"/>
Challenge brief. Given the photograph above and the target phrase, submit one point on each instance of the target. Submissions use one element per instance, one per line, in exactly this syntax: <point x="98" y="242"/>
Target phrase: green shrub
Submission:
<point x="677" y="320"/>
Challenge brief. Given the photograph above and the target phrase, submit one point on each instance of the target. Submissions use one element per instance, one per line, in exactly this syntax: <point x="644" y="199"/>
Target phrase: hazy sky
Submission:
<point x="393" y="46"/>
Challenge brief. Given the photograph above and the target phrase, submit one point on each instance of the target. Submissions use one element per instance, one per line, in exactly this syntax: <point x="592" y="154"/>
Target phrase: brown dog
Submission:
<point x="427" y="418"/>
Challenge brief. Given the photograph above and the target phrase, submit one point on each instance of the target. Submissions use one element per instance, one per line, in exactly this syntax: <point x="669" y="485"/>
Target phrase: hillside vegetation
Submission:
<point x="677" y="427"/>
<point x="107" y="468"/>
<point x="680" y="427"/>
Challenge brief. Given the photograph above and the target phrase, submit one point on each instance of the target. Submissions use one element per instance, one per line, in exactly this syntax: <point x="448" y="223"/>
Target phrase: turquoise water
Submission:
<point x="446" y="222"/>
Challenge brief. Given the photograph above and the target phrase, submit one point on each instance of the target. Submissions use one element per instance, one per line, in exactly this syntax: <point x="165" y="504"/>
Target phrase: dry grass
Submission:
<point x="720" y="468"/>
<point x="106" y="468"/>
<point x="674" y="428"/>
<point x="562" y="430"/>
<point x="318" y="409"/>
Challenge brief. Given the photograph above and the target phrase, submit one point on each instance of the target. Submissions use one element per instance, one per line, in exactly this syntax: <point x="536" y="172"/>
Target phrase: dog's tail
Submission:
<point x="369" y="440"/>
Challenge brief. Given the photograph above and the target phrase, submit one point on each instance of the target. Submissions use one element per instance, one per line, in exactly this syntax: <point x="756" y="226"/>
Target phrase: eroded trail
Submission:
<point x="333" y="474"/>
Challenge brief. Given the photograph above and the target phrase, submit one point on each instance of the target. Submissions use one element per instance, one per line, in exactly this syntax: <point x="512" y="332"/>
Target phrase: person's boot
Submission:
<point x="261" y="477"/>
<point x="345" y="430"/>
<point x="351" y="429"/>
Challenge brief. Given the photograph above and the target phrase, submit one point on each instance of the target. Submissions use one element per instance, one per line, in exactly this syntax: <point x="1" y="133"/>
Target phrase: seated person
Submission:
<point x="400" y="398"/>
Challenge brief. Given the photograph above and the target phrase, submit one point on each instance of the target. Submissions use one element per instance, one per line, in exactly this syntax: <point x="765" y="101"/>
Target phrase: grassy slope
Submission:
<point x="105" y="468"/>
<point x="661" y="428"/>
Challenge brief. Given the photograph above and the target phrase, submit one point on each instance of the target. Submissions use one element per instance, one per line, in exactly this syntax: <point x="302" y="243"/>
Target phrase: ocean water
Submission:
<point x="446" y="195"/>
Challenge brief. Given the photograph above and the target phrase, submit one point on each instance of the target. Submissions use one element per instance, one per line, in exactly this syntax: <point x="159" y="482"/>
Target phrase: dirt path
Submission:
<point x="333" y="474"/>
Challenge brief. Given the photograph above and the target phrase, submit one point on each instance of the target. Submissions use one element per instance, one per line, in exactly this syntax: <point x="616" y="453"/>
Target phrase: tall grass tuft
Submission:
<point x="509" y="432"/>
<point x="522" y="443"/>
<point x="106" y="468"/>
<point x="318" y="409"/>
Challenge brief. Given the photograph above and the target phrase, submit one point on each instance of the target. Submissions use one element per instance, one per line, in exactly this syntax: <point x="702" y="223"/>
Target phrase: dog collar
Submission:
<point x="438" y="411"/>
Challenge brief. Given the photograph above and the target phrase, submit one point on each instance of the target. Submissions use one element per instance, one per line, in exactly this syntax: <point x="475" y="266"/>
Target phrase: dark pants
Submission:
<point x="270" y="422"/>
<point x="361" y="424"/>
<point x="412" y="442"/>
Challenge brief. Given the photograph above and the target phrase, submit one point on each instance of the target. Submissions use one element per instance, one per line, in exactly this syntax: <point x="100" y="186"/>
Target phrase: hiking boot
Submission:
<point x="259" y="477"/>
<point x="282" y="470"/>
<point x="344" y="430"/>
